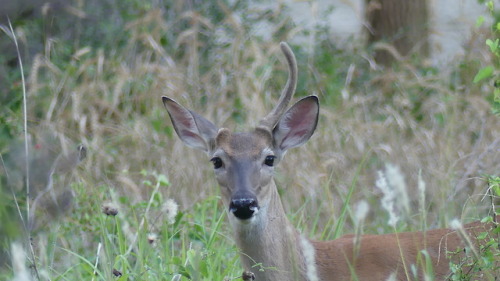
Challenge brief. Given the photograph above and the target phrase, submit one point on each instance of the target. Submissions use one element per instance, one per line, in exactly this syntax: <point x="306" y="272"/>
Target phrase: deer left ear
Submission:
<point x="297" y="125"/>
<point x="193" y="129"/>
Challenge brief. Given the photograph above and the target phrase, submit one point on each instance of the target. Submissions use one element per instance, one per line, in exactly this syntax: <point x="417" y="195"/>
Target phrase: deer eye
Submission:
<point x="217" y="162"/>
<point x="269" y="160"/>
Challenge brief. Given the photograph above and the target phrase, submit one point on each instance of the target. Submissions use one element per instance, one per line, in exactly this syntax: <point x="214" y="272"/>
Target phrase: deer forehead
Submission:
<point x="248" y="144"/>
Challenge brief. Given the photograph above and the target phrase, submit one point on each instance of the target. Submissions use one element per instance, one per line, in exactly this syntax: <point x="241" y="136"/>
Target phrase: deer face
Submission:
<point x="244" y="162"/>
<point x="244" y="168"/>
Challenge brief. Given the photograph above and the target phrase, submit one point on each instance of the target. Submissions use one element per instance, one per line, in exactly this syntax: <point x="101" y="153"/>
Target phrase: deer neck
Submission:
<point x="270" y="246"/>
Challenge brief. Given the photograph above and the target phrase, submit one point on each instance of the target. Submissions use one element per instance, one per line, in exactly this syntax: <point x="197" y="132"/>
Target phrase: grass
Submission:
<point x="97" y="80"/>
<point x="153" y="250"/>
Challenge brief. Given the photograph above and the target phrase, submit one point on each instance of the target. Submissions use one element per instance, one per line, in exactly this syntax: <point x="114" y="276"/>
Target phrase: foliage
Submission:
<point x="95" y="72"/>
<point x="135" y="240"/>
<point x="489" y="73"/>
<point x="484" y="261"/>
<point x="481" y="262"/>
<point x="482" y="251"/>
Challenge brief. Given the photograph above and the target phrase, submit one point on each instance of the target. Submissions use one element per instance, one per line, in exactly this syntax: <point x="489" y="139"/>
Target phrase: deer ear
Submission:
<point x="297" y="125"/>
<point x="193" y="129"/>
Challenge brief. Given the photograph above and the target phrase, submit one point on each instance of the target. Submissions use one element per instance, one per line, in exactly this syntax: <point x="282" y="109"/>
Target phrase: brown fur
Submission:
<point x="382" y="255"/>
<point x="237" y="144"/>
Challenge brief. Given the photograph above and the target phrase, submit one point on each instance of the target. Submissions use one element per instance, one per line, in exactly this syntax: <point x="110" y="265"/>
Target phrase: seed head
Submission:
<point x="170" y="209"/>
<point x="116" y="273"/>
<point x="152" y="237"/>
<point x="109" y="209"/>
<point x="247" y="276"/>
<point x="388" y="198"/>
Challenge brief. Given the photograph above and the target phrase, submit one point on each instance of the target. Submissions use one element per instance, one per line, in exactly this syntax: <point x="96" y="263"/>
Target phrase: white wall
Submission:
<point x="452" y="23"/>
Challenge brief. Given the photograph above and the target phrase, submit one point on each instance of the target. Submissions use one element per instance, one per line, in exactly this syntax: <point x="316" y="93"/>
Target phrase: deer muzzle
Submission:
<point x="244" y="208"/>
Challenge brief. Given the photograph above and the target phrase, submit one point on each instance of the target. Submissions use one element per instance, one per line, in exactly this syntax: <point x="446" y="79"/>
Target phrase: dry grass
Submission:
<point x="109" y="100"/>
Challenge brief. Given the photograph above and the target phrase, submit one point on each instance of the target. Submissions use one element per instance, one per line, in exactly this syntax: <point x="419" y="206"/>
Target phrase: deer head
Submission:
<point x="244" y="162"/>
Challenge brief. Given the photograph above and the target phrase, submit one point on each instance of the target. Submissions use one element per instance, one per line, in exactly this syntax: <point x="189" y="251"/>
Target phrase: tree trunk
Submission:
<point x="402" y="24"/>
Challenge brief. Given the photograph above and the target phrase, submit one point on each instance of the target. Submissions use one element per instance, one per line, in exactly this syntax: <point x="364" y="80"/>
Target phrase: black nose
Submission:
<point x="243" y="208"/>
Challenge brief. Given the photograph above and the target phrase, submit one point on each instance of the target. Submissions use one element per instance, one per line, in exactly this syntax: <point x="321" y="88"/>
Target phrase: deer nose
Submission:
<point x="243" y="208"/>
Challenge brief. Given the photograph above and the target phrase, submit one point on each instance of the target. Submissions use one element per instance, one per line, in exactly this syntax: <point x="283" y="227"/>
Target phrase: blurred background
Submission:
<point x="394" y="79"/>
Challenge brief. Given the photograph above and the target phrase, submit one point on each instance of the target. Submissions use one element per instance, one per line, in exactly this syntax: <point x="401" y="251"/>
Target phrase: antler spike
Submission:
<point x="272" y="118"/>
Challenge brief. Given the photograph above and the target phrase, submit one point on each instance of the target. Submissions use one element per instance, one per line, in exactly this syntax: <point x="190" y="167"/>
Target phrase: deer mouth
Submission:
<point x="244" y="209"/>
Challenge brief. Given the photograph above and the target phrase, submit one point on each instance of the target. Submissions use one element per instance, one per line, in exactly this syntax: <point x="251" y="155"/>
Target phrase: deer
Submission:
<point x="269" y="245"/>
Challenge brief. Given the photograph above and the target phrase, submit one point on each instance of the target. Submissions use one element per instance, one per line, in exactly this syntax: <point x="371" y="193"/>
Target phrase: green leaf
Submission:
<point x="496" y="189"/>
<point x="483" y="73"/>
<point x="487" y="219"/>
<point x="482" y="235"/>
<point x="494" y="183"/>
<point x="495" y="230"/>
<point x="490" y="6"/>
<point x="493" y="45"/>
<point x="479" y="21"/>
<point x="163" y="180"/>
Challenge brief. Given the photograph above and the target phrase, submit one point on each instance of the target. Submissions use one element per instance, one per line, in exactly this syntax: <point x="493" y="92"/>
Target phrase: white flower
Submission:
<point x="388" y="198"/>
<point x="396" y="180"/>
<point x="421" y="193"/>
<point x="360" y="212"/>
<point x="395" y="196"/>
<point x="170" y="209"/>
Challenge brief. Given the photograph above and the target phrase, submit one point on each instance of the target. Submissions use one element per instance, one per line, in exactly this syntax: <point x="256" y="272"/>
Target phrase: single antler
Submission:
<point x="272" y="118"/>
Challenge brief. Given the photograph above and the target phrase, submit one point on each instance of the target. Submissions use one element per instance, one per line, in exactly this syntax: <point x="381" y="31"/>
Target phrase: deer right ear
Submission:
<point x="193" y="129"/>
<point x="297" y="125"/>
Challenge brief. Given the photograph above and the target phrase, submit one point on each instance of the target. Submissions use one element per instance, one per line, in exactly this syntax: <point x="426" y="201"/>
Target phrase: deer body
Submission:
<point x="380" y="256"/>
<point x="270" y="247"/>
